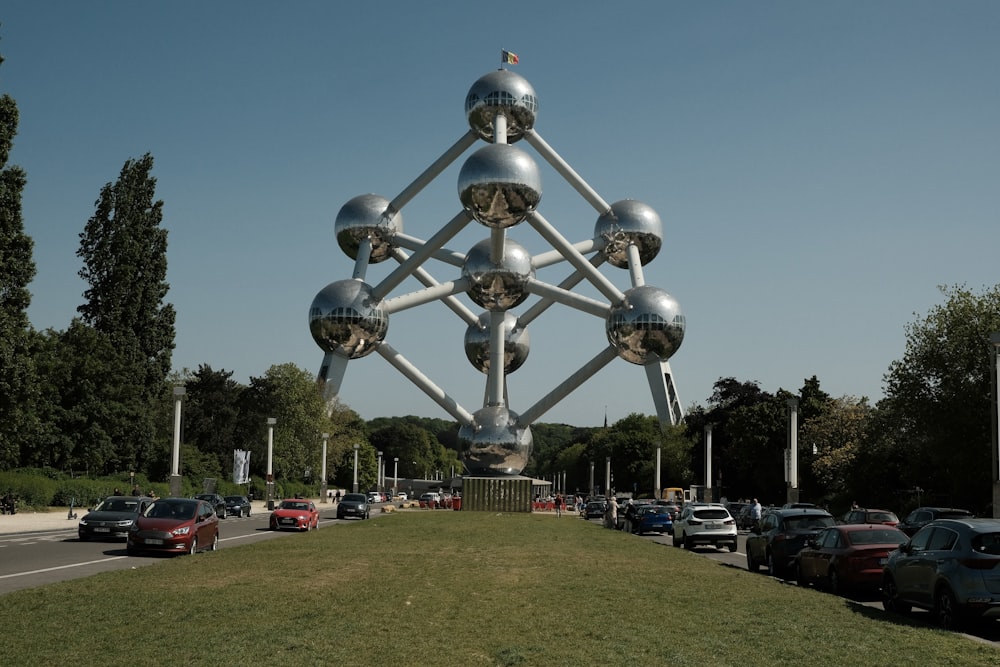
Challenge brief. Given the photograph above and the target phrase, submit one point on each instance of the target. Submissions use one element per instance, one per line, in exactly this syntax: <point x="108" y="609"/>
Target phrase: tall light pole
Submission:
<point x="995" y="425"/>
<point x="709" y="496"/>
<point x="378" y="474"/>
<point x="395" y="476"/>
<point x="592" y="490"/>
<point x="271" y="421"/>
<point x="356" y="448"/>
<point x="792" y="454"/>
<point x="322" y="484"/>
<point x="175" y="457"/>
<point x="607" y="477"/>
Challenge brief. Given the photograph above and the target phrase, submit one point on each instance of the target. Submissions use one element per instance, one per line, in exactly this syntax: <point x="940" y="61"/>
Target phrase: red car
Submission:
<point x="848" y="557"/>
<point x="295" y="514"/>
<point x="175" y="525"/>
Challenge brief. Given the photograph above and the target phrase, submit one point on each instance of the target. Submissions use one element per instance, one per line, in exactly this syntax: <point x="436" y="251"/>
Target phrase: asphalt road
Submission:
<point x="36" y="558"/>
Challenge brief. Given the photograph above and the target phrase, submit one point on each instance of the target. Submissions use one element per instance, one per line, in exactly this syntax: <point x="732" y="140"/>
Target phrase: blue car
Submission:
<point x="653" y="519"/>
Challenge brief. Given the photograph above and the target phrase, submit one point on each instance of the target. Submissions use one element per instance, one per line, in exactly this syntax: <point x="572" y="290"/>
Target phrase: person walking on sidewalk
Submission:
<point x="559" y="504"/>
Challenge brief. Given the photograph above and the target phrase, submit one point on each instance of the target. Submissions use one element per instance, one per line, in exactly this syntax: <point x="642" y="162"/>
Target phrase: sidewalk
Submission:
<point x="55" y="518"/>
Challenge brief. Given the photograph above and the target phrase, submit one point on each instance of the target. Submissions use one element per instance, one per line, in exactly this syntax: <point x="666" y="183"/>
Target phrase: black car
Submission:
<point x="113" y="517"/>
<point x="593" y="510"/>
<point x="217" y="502"/>
<point x="238" y="506"/>
<point x="922" y="516"/>
<point x="353" y="504"/>
<point x="782" y="533"/>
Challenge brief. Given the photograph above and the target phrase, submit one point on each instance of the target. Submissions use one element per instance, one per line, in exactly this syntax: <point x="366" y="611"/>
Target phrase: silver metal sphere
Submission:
<point x="516" y="344"/>
<point x="630" y="221"/>
<point x="500" y="286"/>
<point x="647" y="326"/>
<point x="346" y="320"/>
<point x="500" y="185"/>
<point x="495" y="445"/>
<point x="503" y="92"/>
<point x="367" y="217"/>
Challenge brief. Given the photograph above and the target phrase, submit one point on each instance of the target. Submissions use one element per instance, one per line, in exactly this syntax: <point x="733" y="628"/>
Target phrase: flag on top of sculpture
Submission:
<point x="241" y="466"/>
<point x="508" y="58"/>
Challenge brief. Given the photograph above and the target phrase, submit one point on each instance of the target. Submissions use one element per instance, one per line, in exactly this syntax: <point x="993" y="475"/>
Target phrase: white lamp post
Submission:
<point x="271" y="421"/>
<point x="793" y="446"/>
<point x="709" y="497"/>
<point x="322" y="485"/>
<point x="395" y="476"/>
<point x="378" y="474"/>
<point x="356" y="448"/>
<point x="175" y="458"/>
<point x="995" y="425"/>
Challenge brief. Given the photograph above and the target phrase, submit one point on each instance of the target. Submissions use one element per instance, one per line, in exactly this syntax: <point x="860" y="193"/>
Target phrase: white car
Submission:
<point x="401" y="495"/>
<point x="705" y="523"/>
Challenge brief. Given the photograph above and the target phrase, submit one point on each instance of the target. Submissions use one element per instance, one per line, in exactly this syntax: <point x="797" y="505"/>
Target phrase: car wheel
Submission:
<point x="732" y="547"/>
<point x="946" y="610"/>
<point x="800" y="577"/>
<point x="834" y="583"/>
<point x="686" y="542"/>
<point x="215" y="542"/>
<point x="223" y="515"/>
<point x="129" y="551"/>
<point x="890" y="597"/>
<point x="752" y="565"/>
<point x="772" y="566"/>
<point x="193" y="549"/>
<point x="675" y="540"/>
<point x="84" y="538"/>
<point x="249" y="512"/>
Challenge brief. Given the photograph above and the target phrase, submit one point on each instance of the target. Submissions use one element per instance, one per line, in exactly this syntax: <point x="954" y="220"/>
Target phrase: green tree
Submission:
<point x="939" y="397"/>
<point x="837" y="435"/>
<point x="124" y="253"/>
<point x="212" y="414"/>
<point x="18" y="385"/>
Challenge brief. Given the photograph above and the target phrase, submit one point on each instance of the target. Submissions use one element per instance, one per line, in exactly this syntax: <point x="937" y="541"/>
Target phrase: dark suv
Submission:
<point x="217" y="502"/>
<point x="922" y="516"/>
<point x="781" y="535"/>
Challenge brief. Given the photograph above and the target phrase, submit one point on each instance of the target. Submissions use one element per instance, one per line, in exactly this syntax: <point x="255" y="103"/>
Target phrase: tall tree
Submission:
<point x="18" y="388"/>
<point x="939" y="394"/>
<point x="124" y="252"/>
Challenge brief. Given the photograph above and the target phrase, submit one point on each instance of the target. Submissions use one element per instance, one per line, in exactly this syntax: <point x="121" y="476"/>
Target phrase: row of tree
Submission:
<point x="97" y="398"/>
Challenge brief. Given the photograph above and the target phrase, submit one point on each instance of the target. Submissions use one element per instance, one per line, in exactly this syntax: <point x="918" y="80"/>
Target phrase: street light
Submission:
<point x="175" y="459"/>
<point x="356" y="448"/>
<point x="395" y="476"/>
<point x="792" y="451"/>
<point x="995" y="425"/>
<point x="271" y="421"/>
<point x="607" y="477"/>
<point x="322" y="484"/>
<point x="378" y="474"/>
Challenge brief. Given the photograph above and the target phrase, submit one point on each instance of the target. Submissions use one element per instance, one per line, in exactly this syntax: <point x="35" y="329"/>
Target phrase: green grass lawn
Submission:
<point x="454" y="589"/>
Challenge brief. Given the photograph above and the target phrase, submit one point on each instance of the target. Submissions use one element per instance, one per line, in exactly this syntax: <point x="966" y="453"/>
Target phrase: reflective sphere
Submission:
<point x="630" y="221"/>
<point x="647" y="326"/>
<point x="516" y="344"/>
<point x="500" y="185"/>
<point x="498" y="286"/>
<point x="367" y="216"/>
<point x="503" y="92"/>
<point x="344" y="319"/>
<point x="495" y="445"/>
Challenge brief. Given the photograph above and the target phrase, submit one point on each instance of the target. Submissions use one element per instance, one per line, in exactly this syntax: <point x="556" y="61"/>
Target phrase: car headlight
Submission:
<point x="83" y="521"/>
<point x="183" y="530"/>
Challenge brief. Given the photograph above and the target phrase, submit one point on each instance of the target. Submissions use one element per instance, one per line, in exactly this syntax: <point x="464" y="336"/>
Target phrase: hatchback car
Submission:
<point x="175" y="525"/>
<point x="780" y="535"/>
<point x="593" y="510"/>
<point x="238" y="506"/>
<point x="353" y="504"/>
<point x="884" y="517"/>
<point x="950" y="567"/>
<point x="216" y="501"/>
<point x="705" y="523"/>
<point x="112" y="517"/>
<point x="652" y="519"/>
<point x="847" y="558"/>
<point x="295" y="514"/>
<point x="922" y="516"/>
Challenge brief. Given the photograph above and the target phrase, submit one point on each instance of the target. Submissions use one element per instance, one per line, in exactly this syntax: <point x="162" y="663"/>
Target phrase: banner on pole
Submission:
<point x="241" y="466"/>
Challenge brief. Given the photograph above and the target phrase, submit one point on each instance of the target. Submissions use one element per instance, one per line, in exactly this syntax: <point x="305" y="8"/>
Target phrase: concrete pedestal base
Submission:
<point x="496" y="494"/>
<point x="176" y="485"/>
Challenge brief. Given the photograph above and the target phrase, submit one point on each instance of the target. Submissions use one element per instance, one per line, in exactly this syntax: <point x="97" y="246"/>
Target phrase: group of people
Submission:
<point x="8" y="504"/>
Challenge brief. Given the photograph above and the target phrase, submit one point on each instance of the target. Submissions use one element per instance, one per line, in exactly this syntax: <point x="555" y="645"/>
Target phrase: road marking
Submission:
<point x="61" y="567"/>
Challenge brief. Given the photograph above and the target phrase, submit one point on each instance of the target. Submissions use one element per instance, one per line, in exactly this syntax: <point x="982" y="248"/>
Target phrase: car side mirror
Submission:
<point x="905" y="548"/>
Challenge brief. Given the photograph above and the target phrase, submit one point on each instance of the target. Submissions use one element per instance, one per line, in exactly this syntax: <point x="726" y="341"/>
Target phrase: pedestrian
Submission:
<point x="755" y="511"/>
<point x="336" y="499"/>
<point x="611" y="514"/>
<point x="116" y="492"/>
<point x="559" y="504"/>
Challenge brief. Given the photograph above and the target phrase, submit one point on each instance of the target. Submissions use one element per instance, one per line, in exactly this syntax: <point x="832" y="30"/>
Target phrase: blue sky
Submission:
<point x="820" y="169"/>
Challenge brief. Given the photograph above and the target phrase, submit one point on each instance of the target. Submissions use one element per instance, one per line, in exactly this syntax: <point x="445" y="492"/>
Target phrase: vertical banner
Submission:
<point x="241" y="466"/>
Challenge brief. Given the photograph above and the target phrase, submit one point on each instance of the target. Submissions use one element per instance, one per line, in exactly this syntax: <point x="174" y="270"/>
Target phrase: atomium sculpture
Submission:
<point x="500" y="187"/>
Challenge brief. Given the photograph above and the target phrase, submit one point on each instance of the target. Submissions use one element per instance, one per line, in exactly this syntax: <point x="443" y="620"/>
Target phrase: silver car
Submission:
<point x="950" y="567"/>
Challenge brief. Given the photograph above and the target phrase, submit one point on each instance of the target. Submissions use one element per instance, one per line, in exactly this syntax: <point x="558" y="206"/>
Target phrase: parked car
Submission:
<point x="922" y="516"/>
<point x="175" y="525"/>
<point x="216" y="501"/>
<point x="374" y="497"/>
<point x="593" y="509"/>
<point x="735" y="508"/>
<point x="848" y="557"/>
<point x="295" y="514"/>
<point x="112" y="517"/>
<point x="652" y="519"/>
<point x="238" y="506"/>
<point x="744" y="520"/>
<point x="950" y="567"/>
<point x="431" y="499"/>
<point x="401" y="495"/>
<point x="781" y="534"/>
<point x="862" y="515"/>
<point x="704" y="523"/>
<point x="353" y="504"/>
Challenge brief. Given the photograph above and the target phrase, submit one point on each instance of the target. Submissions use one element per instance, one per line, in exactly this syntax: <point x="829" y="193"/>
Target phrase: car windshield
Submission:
<point x="987" y="543"/>
<point x="808" y="522"/>
<point x="859" y="537"/>
<point x="234" y="499"/>
<point x="354" y="498"/>
<point x="294" y="505"/>
<point x="163" y="510"/>
<point x="879" y="517"/>
<point x="118" y="505"/>
<point x="711" y="514"/>
<point x="655" y="509"/>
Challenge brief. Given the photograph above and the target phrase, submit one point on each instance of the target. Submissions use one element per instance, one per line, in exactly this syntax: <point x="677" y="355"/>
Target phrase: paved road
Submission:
<point x="31" y="559"/>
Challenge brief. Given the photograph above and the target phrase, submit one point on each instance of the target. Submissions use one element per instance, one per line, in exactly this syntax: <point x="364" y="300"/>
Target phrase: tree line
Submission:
<point x="97" y="398"/>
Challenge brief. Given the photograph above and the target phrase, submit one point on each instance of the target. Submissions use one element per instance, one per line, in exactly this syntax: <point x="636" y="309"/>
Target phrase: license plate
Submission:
<point x="154" y="541"/>
<point x="883" y="561"/>
<point x="102" y="530"/>
<point x="714" y="525"/>
<point x="288" y="521"/>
